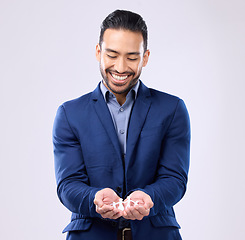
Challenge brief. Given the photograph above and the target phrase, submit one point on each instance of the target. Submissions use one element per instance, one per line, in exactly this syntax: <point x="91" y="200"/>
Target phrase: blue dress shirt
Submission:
<point x="120" y="114"/>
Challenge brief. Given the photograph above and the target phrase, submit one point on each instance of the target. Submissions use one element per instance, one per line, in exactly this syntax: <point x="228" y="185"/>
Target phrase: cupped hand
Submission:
<point x="139" y="210"/>
<point x="103" y="200"/>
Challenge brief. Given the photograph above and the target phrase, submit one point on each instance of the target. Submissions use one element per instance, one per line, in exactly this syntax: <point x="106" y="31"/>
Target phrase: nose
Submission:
<point x="120" y="65"/>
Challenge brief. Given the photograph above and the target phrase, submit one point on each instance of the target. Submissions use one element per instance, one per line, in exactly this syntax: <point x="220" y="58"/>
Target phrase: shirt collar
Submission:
<point x="106" y="93"/>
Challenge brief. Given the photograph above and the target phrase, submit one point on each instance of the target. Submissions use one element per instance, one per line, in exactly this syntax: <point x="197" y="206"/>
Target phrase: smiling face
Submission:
<point x="121" y="56"/>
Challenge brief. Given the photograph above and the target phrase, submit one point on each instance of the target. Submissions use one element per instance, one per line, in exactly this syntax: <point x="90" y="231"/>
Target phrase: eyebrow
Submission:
<point x="130" y="53"/>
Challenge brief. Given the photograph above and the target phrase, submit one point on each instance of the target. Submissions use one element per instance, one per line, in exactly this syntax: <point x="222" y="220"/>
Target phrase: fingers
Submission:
<point x="108" y="211"/>
<point x="143" y="211"/>
<point x="112" y="214"/>
<point x="136" y="212"/>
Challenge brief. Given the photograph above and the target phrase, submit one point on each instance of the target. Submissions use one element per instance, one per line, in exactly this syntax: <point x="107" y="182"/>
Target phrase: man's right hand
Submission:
<point x="103" y="201"/>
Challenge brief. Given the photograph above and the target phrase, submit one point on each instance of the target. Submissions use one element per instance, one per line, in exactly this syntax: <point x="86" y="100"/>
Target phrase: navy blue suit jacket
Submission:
<point x="88" y="158"/>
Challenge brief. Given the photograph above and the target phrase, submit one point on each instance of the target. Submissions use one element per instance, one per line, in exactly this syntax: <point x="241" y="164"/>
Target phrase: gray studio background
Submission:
<point x="47" y="56"/>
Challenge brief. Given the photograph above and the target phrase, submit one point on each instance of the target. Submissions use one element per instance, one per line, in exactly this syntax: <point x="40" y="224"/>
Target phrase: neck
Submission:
<point x="121" y="97"/>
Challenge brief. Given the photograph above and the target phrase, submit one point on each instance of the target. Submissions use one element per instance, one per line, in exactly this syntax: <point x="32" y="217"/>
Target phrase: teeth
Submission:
<point x="118" y="77"/>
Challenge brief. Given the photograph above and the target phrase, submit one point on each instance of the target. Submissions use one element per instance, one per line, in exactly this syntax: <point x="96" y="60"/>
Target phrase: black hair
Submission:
<point x="122" y="19"/>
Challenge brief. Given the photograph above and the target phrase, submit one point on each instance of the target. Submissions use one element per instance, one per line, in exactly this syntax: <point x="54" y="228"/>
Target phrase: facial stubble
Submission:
<point x="123" y="91"/>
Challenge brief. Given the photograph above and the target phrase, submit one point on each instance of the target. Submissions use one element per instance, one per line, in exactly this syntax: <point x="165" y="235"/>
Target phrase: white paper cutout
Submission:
<point x="121" y="203"/>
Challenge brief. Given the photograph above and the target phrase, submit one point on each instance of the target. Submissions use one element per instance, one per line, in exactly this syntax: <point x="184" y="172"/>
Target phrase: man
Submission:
<point x="122" y="151"/>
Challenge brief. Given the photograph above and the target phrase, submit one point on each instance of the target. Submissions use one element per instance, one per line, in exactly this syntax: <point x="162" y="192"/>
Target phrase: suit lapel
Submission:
<point x="137" y="120"/>
<point x="105" y="118"/>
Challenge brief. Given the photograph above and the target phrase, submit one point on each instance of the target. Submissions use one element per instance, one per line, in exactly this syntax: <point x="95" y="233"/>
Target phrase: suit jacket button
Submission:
<point x="119" y="190"/>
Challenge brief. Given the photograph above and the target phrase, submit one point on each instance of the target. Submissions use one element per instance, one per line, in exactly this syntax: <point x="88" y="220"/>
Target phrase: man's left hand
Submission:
<point x="140" y="210"/>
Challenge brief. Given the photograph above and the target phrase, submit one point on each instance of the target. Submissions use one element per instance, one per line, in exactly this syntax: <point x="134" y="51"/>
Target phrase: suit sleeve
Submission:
<point x="170" y="184"/>
<point x="72" y="181"/>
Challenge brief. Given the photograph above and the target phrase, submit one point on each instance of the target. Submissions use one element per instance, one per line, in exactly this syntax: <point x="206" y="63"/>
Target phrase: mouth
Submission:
<point x="120" y="78"/>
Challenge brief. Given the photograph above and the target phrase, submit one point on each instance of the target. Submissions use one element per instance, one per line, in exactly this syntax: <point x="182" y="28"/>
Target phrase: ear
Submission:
<point x="146" y="57"/>
<point x="97" y="52"/>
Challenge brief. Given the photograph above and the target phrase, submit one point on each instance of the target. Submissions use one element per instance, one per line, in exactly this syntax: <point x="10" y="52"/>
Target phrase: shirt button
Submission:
<point x="121" y="109"/>
<point x="122" y="131"/>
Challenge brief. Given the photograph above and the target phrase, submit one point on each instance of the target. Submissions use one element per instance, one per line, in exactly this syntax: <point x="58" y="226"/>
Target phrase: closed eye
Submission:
<point x="132" y="59"/>
<point x="111" y="56"/>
